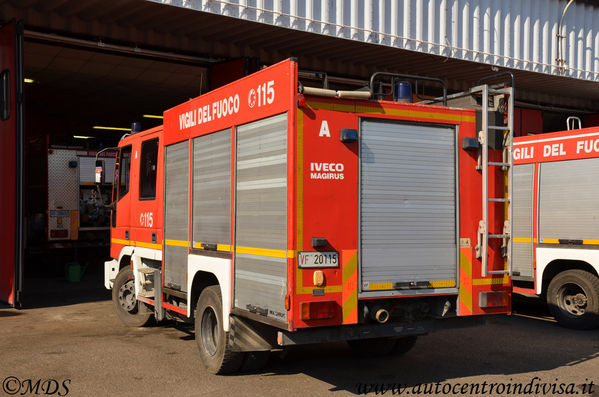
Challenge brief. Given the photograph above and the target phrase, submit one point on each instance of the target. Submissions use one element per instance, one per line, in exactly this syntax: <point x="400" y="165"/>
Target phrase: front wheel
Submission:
<point x="213" y="342"/>
<point x="129" y="310"/>
<point x="573" y="298"/>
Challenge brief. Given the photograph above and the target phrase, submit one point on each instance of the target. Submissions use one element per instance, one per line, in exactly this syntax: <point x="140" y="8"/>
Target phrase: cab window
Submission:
<point x="124" y="171"/>
<point x="147" y="169"/>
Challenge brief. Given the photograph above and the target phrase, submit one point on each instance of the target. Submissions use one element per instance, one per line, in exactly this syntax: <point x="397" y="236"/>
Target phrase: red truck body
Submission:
<point x="326" y="213"/>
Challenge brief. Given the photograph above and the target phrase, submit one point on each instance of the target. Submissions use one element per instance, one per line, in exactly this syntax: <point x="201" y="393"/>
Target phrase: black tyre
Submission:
<point x="129" y="310"/>
<point x="404" y="345"/>
<point x="573" y="299"/>
<point x="212" y="340"/>
<point x="375" y="347"/>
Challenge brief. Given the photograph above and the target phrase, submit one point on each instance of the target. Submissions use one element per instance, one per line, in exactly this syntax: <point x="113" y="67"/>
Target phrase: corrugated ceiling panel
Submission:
<point x="519" y="34"/>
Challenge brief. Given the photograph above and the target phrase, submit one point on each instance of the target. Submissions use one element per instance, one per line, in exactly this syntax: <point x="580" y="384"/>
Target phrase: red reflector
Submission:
<point x="492" y="299"/>
<point x="318" y="310"/>
<point x="301" y="101"/>
<point x="59" y="233"/>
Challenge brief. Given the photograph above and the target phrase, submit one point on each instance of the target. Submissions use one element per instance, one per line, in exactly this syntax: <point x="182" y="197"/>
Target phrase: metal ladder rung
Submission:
<point x="506" y="164"/>
<point x="498" y="272"/>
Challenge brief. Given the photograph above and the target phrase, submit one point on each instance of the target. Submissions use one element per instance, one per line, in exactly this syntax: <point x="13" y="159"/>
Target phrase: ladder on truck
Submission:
<point x="507" y="165"/>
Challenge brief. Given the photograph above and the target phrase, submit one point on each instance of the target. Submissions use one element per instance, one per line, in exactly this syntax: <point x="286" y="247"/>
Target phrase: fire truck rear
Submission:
<point x="556" y="233"/>
<point x="272" y="214"/>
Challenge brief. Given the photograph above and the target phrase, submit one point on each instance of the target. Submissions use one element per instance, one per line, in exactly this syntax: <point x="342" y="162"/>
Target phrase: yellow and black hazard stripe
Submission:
<point x="349" y="294"/>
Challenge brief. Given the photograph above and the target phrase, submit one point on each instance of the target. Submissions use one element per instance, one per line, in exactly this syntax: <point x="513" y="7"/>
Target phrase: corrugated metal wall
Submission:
<point x="520" y="34"/>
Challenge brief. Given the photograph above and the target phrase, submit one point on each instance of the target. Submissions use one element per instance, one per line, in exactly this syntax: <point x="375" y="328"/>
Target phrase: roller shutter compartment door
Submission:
<point x="408" y="206"/>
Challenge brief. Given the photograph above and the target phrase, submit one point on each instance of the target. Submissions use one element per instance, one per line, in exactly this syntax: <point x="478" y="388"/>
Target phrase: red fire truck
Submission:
<point x="273" y="214"/>
<point x="556" y="232"/>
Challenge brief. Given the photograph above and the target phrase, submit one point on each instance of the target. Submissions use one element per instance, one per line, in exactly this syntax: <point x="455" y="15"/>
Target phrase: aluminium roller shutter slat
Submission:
<point x="408" y="203"/>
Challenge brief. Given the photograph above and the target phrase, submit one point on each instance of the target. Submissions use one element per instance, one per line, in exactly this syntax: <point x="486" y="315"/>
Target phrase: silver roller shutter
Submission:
<point x="176" y="193"/>
<point x="522" y="224"/>
<point x="212" y="188"/>
<point x="261" y="217"/>
<point x="569" y="207"/>
<point x="408" y="205"/>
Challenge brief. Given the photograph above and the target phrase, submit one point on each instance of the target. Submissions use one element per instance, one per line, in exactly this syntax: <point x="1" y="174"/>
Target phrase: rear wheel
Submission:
<point x="573" y="298"/>
<point x="213" y="342"/>
<point x="129" y="310"/>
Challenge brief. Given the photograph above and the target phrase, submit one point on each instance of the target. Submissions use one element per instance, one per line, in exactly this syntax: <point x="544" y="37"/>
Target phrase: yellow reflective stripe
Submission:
<point x="466" y="299"/>
<point x="300" y="180"/>
<point x="349" y="294"/>
<point x="407" y="113"/>
<point x="177" y="243"/>
<point x="465" y="264"/>
<point x="442" y="283"/>
<point x="522" y="240"/>
<point x="432" y="284"/>
<point x="219" y="247"/>
<point x="491" y="281"/>
<point x="465" y="305"/>
<point x="148" y="245"/>
<point x="136" y="243"/>
<point x="413" y="113"/>
<point x="265" y="252"/>
<point x="300" y="290"/>
<point x="379" y="286"/>
<point x="350" y="304"/>
<point x="556" y="241"/>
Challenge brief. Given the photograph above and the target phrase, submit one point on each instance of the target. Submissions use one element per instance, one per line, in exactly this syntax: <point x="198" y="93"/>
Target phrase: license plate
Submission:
<point x="311" y="259"/>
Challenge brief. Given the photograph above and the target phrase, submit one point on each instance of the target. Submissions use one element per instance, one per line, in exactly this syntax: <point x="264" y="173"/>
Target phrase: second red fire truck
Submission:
<point x="556" y="230"/>
<point x="271" y="213"/>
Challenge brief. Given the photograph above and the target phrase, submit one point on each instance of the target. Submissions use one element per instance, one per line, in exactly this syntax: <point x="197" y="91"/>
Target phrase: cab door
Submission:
<point x="146" y="192"/>
<point x="11" y="163"/>
<point x="121" y="219"/>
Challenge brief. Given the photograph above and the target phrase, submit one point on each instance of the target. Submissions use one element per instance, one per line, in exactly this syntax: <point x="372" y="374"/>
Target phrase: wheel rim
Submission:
<point x="127" y="296"/>
<point x="572" y="299"/>
<point x="209" y="330"/>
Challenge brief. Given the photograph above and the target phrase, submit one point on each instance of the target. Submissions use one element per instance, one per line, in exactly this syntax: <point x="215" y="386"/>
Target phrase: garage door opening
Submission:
<point x="79" y="101"/>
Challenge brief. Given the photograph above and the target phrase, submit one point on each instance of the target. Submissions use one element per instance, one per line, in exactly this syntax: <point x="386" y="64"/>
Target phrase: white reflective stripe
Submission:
<point x="556" y="139"/>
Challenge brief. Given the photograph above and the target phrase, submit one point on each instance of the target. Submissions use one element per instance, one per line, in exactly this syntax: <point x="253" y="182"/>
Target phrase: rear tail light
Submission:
<point x="493" y="299"/>
<point x="318" y="310"/>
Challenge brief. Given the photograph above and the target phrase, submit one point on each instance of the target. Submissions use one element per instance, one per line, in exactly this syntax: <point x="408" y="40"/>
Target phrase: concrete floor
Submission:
<point x="85" y="345"/>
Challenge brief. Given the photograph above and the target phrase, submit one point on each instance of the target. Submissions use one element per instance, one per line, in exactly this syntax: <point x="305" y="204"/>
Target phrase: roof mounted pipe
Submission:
<point x="497" y="75"/>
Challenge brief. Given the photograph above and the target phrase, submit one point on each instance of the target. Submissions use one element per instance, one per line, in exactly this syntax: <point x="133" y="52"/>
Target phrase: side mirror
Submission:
<point x="99" y="172"/>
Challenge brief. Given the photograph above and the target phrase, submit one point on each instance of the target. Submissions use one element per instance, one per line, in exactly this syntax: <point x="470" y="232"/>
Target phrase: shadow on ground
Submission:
<point x="506" y="349"/>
